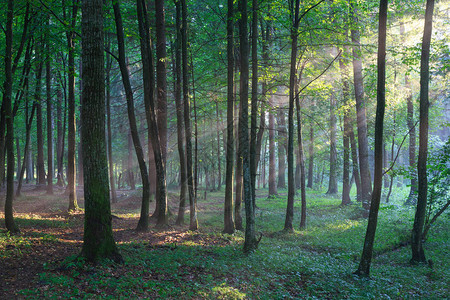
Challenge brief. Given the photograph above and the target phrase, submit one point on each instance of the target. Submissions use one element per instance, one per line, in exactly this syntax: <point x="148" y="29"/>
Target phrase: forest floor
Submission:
<point x="175" y="263"/>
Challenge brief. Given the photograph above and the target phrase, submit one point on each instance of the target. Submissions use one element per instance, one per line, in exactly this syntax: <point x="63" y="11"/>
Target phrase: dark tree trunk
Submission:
<point x="363" y="146"/>
<point x="142" y="225"/>
<point x="346" y="133"/>
<point x="272" y="170"/>
<point x="311" y="156"/>
<point x="48" y="79"/>
<point x="39" y="126"/>
<point x="332" y="183"/>
<point x="239" y="179"/>
<point x="60" y="138"/>
<point x="9" y="141"/>
<point x="228" y="206"/>
<point x="366" y="257"/>
<point x="180" y="118"/>
<point x="250" y="243"/>
<point x="71" y="165"/>
<point x="288" y="223"/>
<point x="219" y="159"/>
<point x="98" y="240"/>
<point x="26" y="148"/>
<point x="254" y="99"/>
<point x="281" y="149"/>
<point x="418" y="254"/>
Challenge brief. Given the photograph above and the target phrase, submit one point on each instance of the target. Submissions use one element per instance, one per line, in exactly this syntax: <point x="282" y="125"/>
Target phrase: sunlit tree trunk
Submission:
<point x="281" y="120"/>
<point x="418" y="254"/>
<point x="311" y="155"/>
<point x="332" y="183"/>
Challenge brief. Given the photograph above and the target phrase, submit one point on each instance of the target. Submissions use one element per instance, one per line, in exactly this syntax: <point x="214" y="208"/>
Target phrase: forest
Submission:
<point x="212" y="149"/>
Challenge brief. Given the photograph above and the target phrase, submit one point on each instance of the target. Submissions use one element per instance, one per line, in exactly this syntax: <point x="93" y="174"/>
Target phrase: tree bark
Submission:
<point x="250" y="243"/>
<point x="39" y="126"/>
<point x="281" y="149"/>
<point x="193" y="222"/>
<point x="363" y="146"/>
<point x="48" y="78"/>
<point x="288" y="223"/>
<point x="346" y="133"/>
<point x="332" y="183"/>
<point x="71" y="135"/>
<point x="311" y="156"/>
<point x="355" y="168"/>
<point x="418" y="253"/>
<point x="98" y="240"/>
<point x="272" y="170"/>
<point x="180" y="118"/>
<point x="254" y="98"/>
<point x="228" y="206"/>
<point x="366" y="257"/>
<point x="9" y="141"/>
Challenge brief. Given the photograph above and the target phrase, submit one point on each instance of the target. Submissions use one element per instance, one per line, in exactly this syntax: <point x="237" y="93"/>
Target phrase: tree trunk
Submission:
<point x="366" y="257"/>
<point x="39" y="126"/>
<point x="346" y="133"/>
<point x="98" y="240"/>
<point x="60" y="138"/>
<point x="142" y="225"/>
<point x="288" y="223"/>
<point x="363" y="146"/>
<point x="9" y="141"/>
<point x="228" y="206"/>
<point x="282" y="138"/>
<point x="418" y="254"/>
<point x="71" y="135"/>
<point x="130" y="167"/>
<point x="254" y="99"/>
<point x="332" y="183"/>
<point x="272" y="171"/>
<point x="48" y="78"/>
<point x="219" y="159"/>
<point x="180" y="118"/>
<point x="311" y="155"/>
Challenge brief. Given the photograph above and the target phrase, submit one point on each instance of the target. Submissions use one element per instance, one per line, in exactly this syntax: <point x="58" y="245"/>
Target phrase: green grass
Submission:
<point x="315" y="263"/>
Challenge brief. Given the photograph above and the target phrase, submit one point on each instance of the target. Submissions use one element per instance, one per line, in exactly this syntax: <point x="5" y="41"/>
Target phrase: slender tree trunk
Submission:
<point x="130" y="167"/>
<point x="9" y="141"/>
<point x="219" y="160"/>
<point x="346" y="133"/>
<point x="418" y="254"/>
<point x="60" y="138"/>
<point x="228" y="206"/>
<point x="281" y="149"/>
<point x="98" y="240"/>
<point x="366" y="257"/>
<point x="71" y="165"/>
<point x="272" y="170"/>
<point x="48" y="77"/>
<point x="311" y="155"/>
<point x="239" y="179"/>
<point x="254" y="98"/>
<point x="332" y="183"/>
<point x="363" y="146"/>
<point x="39" y="126"/>
<point x="180" y="118"/>
<point x="250" y="243"/>
<point x="142" y="225"/>
<point x="193" y="223"/>
<point x="288" y="223"/>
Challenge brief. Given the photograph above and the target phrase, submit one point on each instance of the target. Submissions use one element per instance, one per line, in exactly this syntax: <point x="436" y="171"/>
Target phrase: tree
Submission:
<point x="48" y="80"/>
<point x="366" y="257"/>
<point x="332" y="183"/>
<point x="180" y="118"/>
<point x="228" y="209"/>
<point x="363" y="146"/>
<point x="250" y="243"/>
<point x="143" y="222"/>
<point x="98" y="240"/>
<point x="193" y="222"/>
<point x="71" y="122"/>
<point x="9" y="141"/>
<point x="418" y="254"/>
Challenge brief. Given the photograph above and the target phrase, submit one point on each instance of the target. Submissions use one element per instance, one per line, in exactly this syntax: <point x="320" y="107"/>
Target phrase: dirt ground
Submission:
<point x="20" y="268"/>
